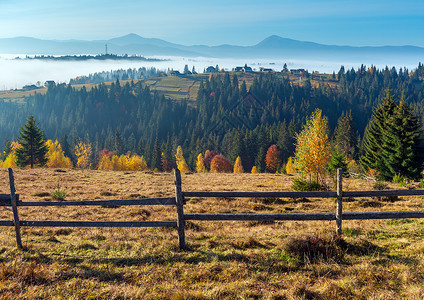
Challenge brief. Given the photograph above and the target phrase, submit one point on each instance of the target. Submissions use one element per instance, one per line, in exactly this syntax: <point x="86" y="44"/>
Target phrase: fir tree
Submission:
<point x="401" y="145"/>
<point x="6" y="149"/>
<point x="156" y="156"/>
<point x="392" y="143"/>
<point x="33" y="151"/>
<point x="372" y="147"/>
<point x="344" y="135"/>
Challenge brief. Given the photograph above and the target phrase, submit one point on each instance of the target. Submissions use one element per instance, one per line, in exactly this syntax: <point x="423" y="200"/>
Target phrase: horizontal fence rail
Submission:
<point x="98" y="223"/>
<point x="143" y="201"/>
<point x="262" y="194"/>
<point x="179" y="201"/>
<point x="262" y="217"/>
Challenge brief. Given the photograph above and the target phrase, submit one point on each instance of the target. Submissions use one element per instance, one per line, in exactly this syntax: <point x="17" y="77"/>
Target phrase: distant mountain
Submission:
<point x="271" y="47"/>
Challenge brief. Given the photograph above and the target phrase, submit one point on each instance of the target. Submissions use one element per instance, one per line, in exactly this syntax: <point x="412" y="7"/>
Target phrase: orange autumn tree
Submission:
<point x="272" y="159"/>
<point x="312" y="148"/>
<point x="238" y="166"/>
<point x="56" y="156"/>
<point x="220" y="164"/>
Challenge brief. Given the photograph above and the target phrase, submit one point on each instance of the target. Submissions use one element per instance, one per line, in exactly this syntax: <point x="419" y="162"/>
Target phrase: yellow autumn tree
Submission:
<point x="56" y="157"/>
<point x="290" y="166"/>
<point x="105" y="163"/>
<point x="200" y="164"/>
<point x="312" y="148"/>
<point x="254" y="170"/>
<point x="10" y="161"/>
<point x="83" y="153"/>
<point x="180" y="160"/>
<point x="122" y="163"/>
<point x="238" y="167"/>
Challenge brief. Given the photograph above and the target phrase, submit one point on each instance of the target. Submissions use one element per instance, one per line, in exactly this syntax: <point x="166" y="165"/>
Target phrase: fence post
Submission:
<point x="180" y="209"/>
<point x="15" y="209"/>
<point x="339" y="201"/>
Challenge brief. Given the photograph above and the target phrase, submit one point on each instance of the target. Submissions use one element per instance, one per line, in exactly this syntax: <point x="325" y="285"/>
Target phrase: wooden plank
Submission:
<point x="144" y="201"/>
<point x="324" y="194"/>
<point x="98" y="224"/>
<point x="262" y="217"/>
<point x="6" y="223"/>
<point x="383" y="215"/>
<point x="383" y="193"/>
<point x="180" y="209"/>
<point x="15" y="209"/>
<point x="339" y="201"/>
<point x="5" y="199"/>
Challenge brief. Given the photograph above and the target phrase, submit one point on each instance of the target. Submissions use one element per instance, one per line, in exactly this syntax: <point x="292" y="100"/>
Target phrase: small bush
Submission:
<point x="304" y="185"/>
<point x="315" y="248"/>
<point x="41" y="194"/>
<point x="379" y="185"/>
<point x="59" y="193"/>
<point x="400" y="180"/>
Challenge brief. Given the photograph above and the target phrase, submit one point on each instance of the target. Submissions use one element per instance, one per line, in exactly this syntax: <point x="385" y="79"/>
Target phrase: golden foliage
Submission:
<point x="56" y="157"/>
<point x="373" y="173"/>
<point x="10" y="161"/>
<point x="238" y="166"/>
<point x="14" y="146"/>
<point x="180" y="160"/>
<point x="290" y="166"/>
<point x="254" y="170"/>
<point x="83" y="153"/>
<point x="312" y="148"/>
<point x="200" y="164"/>
<point x="122" y="163"/>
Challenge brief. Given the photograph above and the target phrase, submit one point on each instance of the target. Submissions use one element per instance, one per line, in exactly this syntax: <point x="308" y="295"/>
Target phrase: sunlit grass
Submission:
<point x="274" y="260"/>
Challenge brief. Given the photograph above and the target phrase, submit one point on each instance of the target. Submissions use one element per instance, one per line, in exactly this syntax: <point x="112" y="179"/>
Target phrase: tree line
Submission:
<point x="227" y="118"/>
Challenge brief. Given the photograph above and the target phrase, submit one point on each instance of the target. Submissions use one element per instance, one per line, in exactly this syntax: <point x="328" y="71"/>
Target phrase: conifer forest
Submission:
<point x="227" y="117"/>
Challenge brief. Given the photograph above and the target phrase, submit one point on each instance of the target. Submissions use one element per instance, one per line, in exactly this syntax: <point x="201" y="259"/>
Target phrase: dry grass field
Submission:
<point x="380" y="259"/>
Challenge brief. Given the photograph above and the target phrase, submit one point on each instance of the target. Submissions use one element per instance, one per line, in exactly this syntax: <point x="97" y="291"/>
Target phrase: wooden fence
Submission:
<point x="178" y="201"/>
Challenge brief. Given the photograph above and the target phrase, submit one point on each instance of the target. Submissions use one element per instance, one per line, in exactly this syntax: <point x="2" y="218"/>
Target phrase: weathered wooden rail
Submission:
<point x="179" y="201"/>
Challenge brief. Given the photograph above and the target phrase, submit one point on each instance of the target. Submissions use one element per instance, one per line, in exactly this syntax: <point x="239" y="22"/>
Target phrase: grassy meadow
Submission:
<point x="375" y="259"/>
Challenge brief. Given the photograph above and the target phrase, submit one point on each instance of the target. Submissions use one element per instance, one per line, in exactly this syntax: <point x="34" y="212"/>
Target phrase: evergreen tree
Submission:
<point x="156" y="156"/>
<point x="33" y="151"/>
<point x="376" y="129"/>
<point x="6" y="149"/>
<point x="393" y="140"/>
<point x="65" y="146"/>
<point x="344" y="135"/>
<point x="402" y="145"/>
<point x="119" y="146"/>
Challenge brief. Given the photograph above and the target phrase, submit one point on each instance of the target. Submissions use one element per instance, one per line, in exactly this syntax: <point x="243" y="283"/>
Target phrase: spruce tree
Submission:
<point x="401" y="145"/>
<point x="33" y="149"/>
<point x="6" y="149"/>
<point x="344" y="135"/>
<point x="392" y="142"/>
<point x="372" y="158"/>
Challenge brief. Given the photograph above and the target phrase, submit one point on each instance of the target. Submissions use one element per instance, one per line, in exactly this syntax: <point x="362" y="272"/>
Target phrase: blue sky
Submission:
<point x="241" y="22"/>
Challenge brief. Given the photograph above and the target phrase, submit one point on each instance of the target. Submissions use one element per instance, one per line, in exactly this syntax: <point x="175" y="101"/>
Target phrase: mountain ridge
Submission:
<point x="272" y="46"/>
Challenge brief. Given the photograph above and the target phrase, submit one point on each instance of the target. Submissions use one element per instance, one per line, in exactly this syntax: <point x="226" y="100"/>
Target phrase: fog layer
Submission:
<point x="15" y="73"/>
